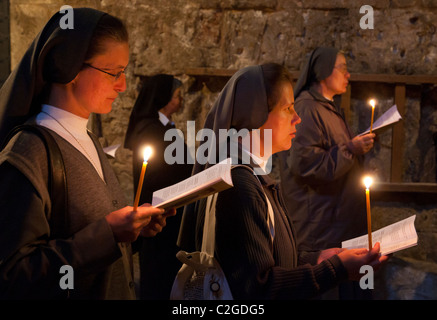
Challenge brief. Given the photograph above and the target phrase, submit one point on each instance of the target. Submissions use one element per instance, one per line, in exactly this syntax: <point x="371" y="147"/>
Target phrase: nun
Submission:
<point x="261" y="262"/>
<point x="321" y="175"/>
<point x="65" y="75"/>
<point x="151" y="117"/>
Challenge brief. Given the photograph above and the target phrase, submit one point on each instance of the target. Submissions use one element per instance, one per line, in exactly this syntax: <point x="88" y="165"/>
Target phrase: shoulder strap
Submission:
<point x="270" y="217"/>
<point x="57" y="179"/>
<point x="208" y="240"/>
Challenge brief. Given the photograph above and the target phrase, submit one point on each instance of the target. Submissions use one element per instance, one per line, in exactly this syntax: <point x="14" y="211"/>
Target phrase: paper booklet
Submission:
<point x="214" y="179"/>
<point x="110" y="151"/>
<point x="395" y="237"/>
<point x="391" y="116"/>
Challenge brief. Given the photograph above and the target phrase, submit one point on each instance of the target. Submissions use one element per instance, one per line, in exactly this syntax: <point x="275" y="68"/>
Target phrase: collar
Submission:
<point x="163" y="118"/>
<point x="75" y="124"/>
<point x="259" y="164"/>
<point x="317" y="95"/>
<point x="326" y="102"/>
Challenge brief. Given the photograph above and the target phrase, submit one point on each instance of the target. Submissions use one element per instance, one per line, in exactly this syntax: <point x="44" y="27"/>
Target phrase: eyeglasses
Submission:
<point x="342" y="68"/>
<point x="116" y="76"/>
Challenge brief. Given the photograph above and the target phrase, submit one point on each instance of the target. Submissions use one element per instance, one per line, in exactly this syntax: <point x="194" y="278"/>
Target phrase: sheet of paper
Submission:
<point x="395" y="237"/>
<point x="213" y="179"/>
<point x="390" y="116"/>
<point x="111" y="150"/>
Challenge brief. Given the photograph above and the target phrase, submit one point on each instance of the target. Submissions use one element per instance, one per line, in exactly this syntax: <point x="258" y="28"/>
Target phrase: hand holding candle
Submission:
<point x="368" y="182"/>
<point x="372" y="103"/>
<point x="147" y="153"/>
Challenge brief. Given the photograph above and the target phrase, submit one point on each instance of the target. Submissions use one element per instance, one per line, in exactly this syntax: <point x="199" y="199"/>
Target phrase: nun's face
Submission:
<point x="95" y="90"/>
<point x="175" y="103"/>
<point x="282" y="120"/>
<point x="337" y="82"/>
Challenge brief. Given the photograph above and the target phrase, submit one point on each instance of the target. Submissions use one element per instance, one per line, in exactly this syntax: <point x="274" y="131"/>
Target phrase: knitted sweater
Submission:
<point x="30" y="260"/>
<point x="254" y="267"/>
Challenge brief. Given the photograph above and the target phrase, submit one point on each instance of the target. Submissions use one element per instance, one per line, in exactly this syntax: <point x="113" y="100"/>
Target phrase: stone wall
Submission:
<point x="169" y="36"/>
<point x="5" y="51"/>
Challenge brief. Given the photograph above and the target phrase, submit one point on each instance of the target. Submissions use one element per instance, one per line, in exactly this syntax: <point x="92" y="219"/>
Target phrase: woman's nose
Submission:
<point x="296" y="119"/>
<point x="120" y="84"/>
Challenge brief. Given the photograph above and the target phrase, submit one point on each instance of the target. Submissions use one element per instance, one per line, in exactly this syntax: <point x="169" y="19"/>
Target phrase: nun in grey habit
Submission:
<point x="321" y="177"/>
<point x="32" y="250"/>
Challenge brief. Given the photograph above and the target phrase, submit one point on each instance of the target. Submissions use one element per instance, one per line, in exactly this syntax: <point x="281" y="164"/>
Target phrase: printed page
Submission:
<point x="111" y="150"/>
<point x="395" y="237"/>
<point x="213" y="179"/>
<point x="390" y="116"/>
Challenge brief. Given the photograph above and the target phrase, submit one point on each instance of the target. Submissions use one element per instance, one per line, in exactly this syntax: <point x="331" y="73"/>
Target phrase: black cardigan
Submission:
<point x="253" y="267"/>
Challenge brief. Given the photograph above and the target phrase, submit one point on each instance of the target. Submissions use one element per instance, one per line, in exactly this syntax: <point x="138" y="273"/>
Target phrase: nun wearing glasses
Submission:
<point x="64" y="77"/>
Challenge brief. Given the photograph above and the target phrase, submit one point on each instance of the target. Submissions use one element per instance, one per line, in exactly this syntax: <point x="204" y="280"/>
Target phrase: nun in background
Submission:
<point x="151" y="117"/>
<point x="321" y="175"/>
<point x="261" y="262"/>
<point x="64" y="76"/>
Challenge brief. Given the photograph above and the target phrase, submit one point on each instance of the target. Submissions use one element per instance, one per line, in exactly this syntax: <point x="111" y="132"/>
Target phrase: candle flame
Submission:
<point x="372" y="103"/>
<point x="147" y="153"/>
<point x="368" y="182"/>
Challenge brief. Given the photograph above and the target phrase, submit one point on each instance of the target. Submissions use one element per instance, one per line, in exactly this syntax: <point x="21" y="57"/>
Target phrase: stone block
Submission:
<point x="429" y="3"/>
<point x="403" y="3"/>
<point x="406" y="279"/>
<point x="338" y="4"/>
<point x="239" y="4"/>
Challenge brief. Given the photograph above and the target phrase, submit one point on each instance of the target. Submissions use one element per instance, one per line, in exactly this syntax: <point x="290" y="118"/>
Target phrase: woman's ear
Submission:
<point x="74" y="81"/>
<point x="58" y="91"/>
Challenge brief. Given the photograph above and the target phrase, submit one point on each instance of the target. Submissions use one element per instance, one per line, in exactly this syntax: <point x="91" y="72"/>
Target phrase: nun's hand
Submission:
<point x="157" y="223"/>
<point x="126" y="224"/>
<point x="328" y="253"/>
<point x="361" y="144"/>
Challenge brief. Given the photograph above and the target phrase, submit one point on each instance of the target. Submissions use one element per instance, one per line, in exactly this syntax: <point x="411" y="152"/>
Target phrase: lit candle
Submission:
<point x="368" y="182"/>
<point x="372" y="103"/>
<point x="147" y="153"/>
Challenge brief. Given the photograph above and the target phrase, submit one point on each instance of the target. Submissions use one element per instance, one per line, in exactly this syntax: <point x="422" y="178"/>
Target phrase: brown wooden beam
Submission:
<point x="355" y="77"/>
<point x="393" y="78"/>
<point x="398" y="136"/>
<point x="412" y="187"/>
